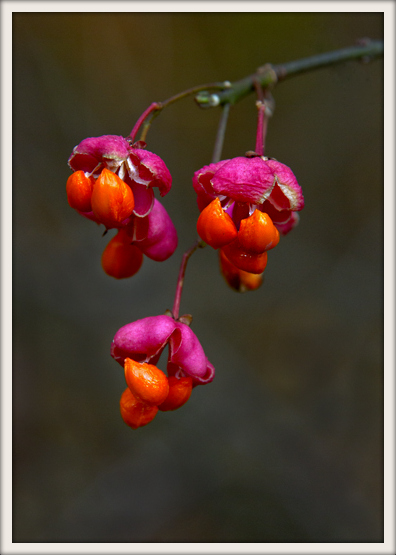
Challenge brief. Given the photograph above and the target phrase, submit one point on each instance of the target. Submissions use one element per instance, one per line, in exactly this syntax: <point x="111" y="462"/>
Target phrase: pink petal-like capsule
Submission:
<point x="140" y="168"/>
<point x="150" y="168"/>
<point x="95" y="150"/>
<point x="202" y="184"/>
<point x="186" y="352"/>
<point x="284" y="228"/>
<point x="287" y="193"/>
<point x="161" y="239"/>
<point x="175" y="370"/>
<point x="277" y="216"/>
<point x="207" y="377"/>
<point x="142" y="340"/>
<point x="244" y="180"/>
<point x="144" y="198"/>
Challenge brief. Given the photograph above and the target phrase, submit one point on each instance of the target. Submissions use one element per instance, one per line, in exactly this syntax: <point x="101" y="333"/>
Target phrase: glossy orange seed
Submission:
<point x="257" y="233"/>
<point x="215" y="226"/>
<point x="237" y="279"/>
<point x="179" y="393"/>
<point x="121" y="259"/>
<point x="134" y="412"/>
<point x="244" y="260"/>
<point x="147" y="382"/>
<point x="112" y="199"/>
<point x="79" y="191"/>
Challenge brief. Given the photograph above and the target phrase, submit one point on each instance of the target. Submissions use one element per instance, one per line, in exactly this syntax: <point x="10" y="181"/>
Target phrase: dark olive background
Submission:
<point x="286" y="444"/>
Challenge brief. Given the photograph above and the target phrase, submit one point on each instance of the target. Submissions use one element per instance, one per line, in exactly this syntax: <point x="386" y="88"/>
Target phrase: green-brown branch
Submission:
<point x="269" y="75"/>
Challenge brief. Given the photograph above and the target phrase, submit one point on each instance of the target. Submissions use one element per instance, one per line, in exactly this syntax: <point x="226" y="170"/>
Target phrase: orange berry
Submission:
<point x="244" y="260"/>
<point x="238" y="279"/>
<point x="179" y="393"/>
<point x="112" y="199"/>
<point x="121" y="259"/>
<point x="134" y="412"/>
<point x="79" y="191"/>
<point x="257" y="233"/>
<point x="215" y="226"/>
<point x="147" y="382"/>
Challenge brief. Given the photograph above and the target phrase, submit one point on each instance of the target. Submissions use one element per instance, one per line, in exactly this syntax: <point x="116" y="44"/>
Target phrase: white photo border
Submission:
<point x="10" y="7"/>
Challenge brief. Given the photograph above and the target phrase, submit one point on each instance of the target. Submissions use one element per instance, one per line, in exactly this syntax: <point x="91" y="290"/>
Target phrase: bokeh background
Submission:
<point x="286" y="444"/>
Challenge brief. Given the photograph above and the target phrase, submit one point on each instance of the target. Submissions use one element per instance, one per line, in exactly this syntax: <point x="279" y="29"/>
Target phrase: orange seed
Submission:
<point x="79" y="191"/>
<point x="179" y="393"/>
<point x="121" y="259"/>
<point x="215" y="226"/>
<point x="112" y="199"/>
<point x="244" y="260"/>
<point x="257" y="233"/>
<point x="147" y="382"/>
<point x="134" y="412"/>
<point x="238" y="279"/>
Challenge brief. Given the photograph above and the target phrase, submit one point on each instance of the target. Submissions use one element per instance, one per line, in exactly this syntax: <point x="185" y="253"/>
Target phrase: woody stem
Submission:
<point x="269" y="75"/>
<point x="180" y="279"/>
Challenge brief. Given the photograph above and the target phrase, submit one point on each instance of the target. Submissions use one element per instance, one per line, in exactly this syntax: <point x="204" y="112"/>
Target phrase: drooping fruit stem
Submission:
<point x="180" y="279"/>
<point x="261" y="127"/>
<point x="219" y="142"/>
<point x="154" y="107"/>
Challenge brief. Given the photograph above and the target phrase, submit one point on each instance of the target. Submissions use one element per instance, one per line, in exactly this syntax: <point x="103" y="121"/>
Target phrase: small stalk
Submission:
<point x="180" y="280"/>
<point x="219" y="142"/>
<point x="261" y="128"/>
<point x="155" y="106"/>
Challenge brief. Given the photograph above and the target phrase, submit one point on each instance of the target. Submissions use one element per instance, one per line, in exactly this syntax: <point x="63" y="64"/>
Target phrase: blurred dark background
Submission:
<point x="286" y="444"/>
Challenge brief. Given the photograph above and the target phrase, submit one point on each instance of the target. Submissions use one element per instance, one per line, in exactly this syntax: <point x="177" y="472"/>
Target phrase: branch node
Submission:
<point x="268" y="69"/>
<point x="205" y="99"/>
